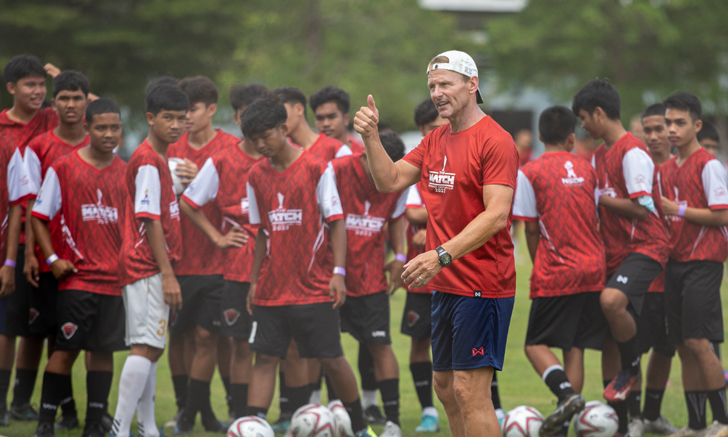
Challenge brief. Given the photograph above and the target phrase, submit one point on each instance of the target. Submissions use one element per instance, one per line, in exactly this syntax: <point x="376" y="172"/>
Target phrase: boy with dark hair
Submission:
<point x="427" y="118"/>
<point x="634" y="237"/>
<point x="555" y="199"/>
<point x="331" y="110"/>
<point x="199" y="271"/>
<point x="290" y="196"/>
<point x="696" y="199"/>
<point x="151" y="245"/>
<point x="87" y="189"/>
<point x="243" y="96"/>
<point x="709" y="139"/>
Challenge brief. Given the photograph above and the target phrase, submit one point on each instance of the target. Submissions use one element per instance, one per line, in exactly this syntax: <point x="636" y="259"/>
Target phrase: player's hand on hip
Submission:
<point x="62" y="268"/>
<point x="420" y="271"/>
<point x="7" y="278"/>
<point x="337" y="290"/>
<point x="237" y="237"/>
<point x="187" y="171"/>
<point x="395" y="269"/>
<point x="366" y="120"/>
<point x="669" y="207"/>
<point x="31" y="269"/>
<point x="171" y="291"/>
<point x="251" y="298"/>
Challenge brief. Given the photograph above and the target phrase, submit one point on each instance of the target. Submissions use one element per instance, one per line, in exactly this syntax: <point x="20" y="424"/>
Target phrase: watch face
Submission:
<point x="445" y="259"/>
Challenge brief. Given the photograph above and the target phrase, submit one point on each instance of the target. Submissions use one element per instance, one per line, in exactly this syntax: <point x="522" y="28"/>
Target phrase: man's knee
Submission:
<point x="262" y="360"/>
<point x="613" y="301"/>
<point x="697" y="346"/>
<point x="333" y="366"/>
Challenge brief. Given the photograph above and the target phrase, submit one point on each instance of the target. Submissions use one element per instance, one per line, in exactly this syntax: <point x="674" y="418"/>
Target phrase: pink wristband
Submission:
<point x="340" y="271"/>
<point x="10" y="263"/>
<point x="400" y="257"/>
<point x="681" y="209"/>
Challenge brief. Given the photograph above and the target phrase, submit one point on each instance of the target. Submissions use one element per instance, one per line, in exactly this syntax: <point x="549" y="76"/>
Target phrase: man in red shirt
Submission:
<point x="331" y="110"/>
<point x="87" y="188"/>
<point x="696" y="201"/>
<point x="555" y="198"/>
<point x="468" y="174"/>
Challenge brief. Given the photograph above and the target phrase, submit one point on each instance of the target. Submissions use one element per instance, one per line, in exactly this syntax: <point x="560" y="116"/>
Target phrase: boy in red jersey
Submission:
<point x="150" y="247"/>
<point x="199" y="271"/>
<point x="696" y="200"/>
<point x="87" y="189"/>
<point x="331" y="110"/>
<point x="290" y="196"/>
<point x="555" y="198"/>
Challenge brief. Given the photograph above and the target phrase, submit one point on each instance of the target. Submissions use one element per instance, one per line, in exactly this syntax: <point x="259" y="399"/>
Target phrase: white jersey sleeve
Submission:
<point x="19" y="185"/>
<point x="715" y="184"/>
<point x="638" y="170"/>
<point x="343" y="151"/>
<point x="401" y="205"/>
<point x="414" y="200"/>
<point x="524" y="202"/>
<point x="253" y="212"/>
<point x="49" y="199"/>
<point x="147" y="199"/>
<point x="204" y="186"/>
<point x="33" y="170"/>
<point x="327" y="195"/>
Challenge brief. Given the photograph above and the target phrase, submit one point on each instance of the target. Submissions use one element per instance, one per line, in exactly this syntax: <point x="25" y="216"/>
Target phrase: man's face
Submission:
<point x="434" y="124"/>
<point x="167" y="125"/>
<point x="590" y="124"/>
<point x="199" y="117"/>
<point x="71" y="106"/>
<point x="270" y="142"/>
<point x="710" y="145"/>
<point x="681" y="129"/>
<point x="28" y="93"/>
<point x="104" y="132"/>
<point x="655" y="133"/>
<point x="330" y="121"/>
<point x="449" y="92"/>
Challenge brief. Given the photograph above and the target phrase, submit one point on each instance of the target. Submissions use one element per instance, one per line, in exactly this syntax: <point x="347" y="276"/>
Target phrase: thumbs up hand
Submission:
<point x="366" y="120"/>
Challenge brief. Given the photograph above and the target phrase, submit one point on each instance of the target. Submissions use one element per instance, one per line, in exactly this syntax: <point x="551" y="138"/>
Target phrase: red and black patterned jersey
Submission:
<point x="414" y="201"/>
<point x="701" y="182"/>
<point x="151" y="196"/>
<point x="557" y="191"/>
<point x="201" y="256"/>
<point x="328" y="148"/>
<point x="366" y="210"/>
<point x="14" y="187"/>
<point x="224" y="179"/>
<point x="292" y="207"/>
<point x="356" y="145"/>
<point x="88" y="202"/>
<point x="40" y="154"/>
<point x="626" y="171"/>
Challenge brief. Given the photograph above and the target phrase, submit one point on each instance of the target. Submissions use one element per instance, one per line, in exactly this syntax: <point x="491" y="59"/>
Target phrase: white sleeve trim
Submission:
<point x="343" y="151"/>
<point x="327" y="194"/>
<point x="205" y="185"/>
<point x="33" y="170"/>
<point x="49" y="199"/>
<point x="639" y="170"/>
<point x="715" y="183"/>
<point x="524" y="202"/>
<point x="253" y="212"/>
<point x="413" y="197"/>
<point x="401" y="204"/>
<point x="147" y="199"/>
<point x="18" y="183"/>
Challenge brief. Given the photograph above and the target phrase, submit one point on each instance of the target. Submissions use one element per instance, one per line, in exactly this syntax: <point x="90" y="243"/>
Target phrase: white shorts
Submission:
<point x="147" y="315"/>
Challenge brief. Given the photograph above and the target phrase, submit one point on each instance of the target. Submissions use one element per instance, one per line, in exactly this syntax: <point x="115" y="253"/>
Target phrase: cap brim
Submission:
<point x="478" y="97"/>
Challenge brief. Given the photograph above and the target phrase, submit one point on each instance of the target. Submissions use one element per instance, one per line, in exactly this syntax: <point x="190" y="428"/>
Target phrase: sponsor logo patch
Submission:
<point x="442" y="181"/>
<point x="231" y="316"/>
<point x="69" y="329"/>
<point x="281" y="218"/>
<point x="478" y="351"/>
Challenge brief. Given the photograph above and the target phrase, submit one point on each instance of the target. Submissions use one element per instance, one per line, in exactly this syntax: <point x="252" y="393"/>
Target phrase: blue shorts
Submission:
<point x="469" y="332"/>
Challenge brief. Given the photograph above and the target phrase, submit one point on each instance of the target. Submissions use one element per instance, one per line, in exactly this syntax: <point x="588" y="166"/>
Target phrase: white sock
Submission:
<point x="145" y="409"/>
<point x="430" y="411"/>
<point x="315" y="397"/>
<point x="368" y="398"/>
<point x="131" y="386"/>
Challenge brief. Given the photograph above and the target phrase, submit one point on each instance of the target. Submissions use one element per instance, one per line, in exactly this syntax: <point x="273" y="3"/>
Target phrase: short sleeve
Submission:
<point x="19" y="187"/>
<point x="328" y="196"/>
<point x="49" y="199"/>
<point x="33" y="170"/>
<point x="500" y="164"/>
<point x="253" y="211"/>
<point x="147" y="199"/>
<point x="344" y="150"/>
<point x="417" y="155"/>
<point x="401" y="206"/>
<point x="524" y="202"/>
<point x="638" y="170"/>
<point x="204" y="186"/>
<point x="715" y="185"/>
<point x="414" y="200"/>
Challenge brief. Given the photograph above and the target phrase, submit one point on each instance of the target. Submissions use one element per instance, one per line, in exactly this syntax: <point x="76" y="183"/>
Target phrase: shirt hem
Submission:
<point x="277" y="303"/>
<point x="147" y="215"/>
<point x="525" y="219"/>
<point x="191" y="203"/>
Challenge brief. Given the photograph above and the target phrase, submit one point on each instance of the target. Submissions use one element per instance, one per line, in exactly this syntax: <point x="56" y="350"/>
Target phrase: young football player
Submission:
<point x="331" y="110"/>
<point x="151" y="245"/>
<point x="555" y="199"/>
<point x="709" y="139"/>
<point x="87" y="188"/>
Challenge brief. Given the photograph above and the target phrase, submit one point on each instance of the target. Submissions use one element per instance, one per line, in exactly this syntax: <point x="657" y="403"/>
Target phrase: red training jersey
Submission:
<point x="328" y="148"/>
<point x="454" y="169"/>
<point x="557" y="191"/>
<point x="414" y="201"/>
<point x="14" y="187"/>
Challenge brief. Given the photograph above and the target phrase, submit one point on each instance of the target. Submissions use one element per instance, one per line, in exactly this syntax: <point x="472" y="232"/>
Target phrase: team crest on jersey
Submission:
<point x="281" y="218"/>
<point x="571" y="177"/>
<point x="145" y="200"/>
<point x="69" y="329"/>
<point x="442" y="181"/>
<point x="412" y="318"/>
<point x="365" y="224"/>
<point x="33" y="315"/>
<point x="99" y="212"/>
<point x="231" y="316"/>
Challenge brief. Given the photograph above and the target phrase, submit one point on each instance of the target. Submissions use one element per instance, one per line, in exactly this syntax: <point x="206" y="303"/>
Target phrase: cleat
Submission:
<point x="93" y="430"/>
<point x="172" y="423"/>
<point x="24" y="412"/>
<point x="659" y="426"/>
<point x="216" y="427"/>
<point x="367" y="432"/>
<point x="429" y="423"/>
<point x="107" y="421"/>
<point x="636" y="427"/>
<point x="67" y="422"/>
<point x="4" y="417"/>
<point x="373" y="416"/>
<point x="182" y="428"/>
<point x="44" y="429"/>
<point x="688" y="432"/>
<point x="391" y="429"/>
<point x="554" y="423"/>
<point x="281" y="426"/>
<point x="716" y="430"/>
<point x="619" y="388"/>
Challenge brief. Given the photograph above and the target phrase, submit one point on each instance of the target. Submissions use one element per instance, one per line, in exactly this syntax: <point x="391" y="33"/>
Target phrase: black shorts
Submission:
<point x="200" y="304"/>
<point x="43" y="306"/>
<point x="366" y="318"/>
<point x="652" y="326"/>
<point x="417" y="317"/>
<point x="90" y="321"/>
<point x="567" y="321"/>
<point x="634" y="277"/>
<point x="692" y="300"/>
<point x="236" y="321"/>
<point x="314" y="327"/>
<point x="18" y="303"/>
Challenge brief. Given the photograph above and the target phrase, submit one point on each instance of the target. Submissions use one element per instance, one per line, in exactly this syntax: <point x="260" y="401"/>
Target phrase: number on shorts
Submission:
<point x="162" y="328"/>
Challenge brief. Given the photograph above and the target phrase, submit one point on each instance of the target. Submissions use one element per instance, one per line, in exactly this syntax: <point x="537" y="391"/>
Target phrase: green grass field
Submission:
<point x="519" y="383"/>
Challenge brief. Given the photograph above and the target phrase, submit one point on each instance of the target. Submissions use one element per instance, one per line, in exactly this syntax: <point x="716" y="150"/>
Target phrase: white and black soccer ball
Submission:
<point x="313" y="421"/>
<point x="250" y="426"/>
<point x="179" y="187"/>
<point x="343" y="421"/>
<point x="596" y="420"/>
<point x="522" y="421"/>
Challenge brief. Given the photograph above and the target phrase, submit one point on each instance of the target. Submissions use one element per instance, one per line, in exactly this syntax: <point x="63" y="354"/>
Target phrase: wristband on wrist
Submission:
<point x="681" y="210"/>
<point x="400" y="257"/>
<point x="10" y="263"/>
<point x="340" y="271"/>
<point x="51" y="259"/>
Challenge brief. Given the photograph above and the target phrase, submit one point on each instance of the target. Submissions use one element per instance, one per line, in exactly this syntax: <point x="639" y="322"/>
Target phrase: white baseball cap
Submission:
<point x="459" y="62"/>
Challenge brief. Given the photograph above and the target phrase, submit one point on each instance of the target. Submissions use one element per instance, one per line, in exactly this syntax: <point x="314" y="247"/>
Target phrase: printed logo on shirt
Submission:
<point x="25" y="180"/>
<point x="640" y="179"/>
<point x="365" y="224"/>
<point x="99" y="212"/>
<point x="281" y="218"/>
<point x="174" y="209"/>
<point x="442" y="181"/>
<point x="609" y="191"/>
<point x="477" y="293"/>
<point x="39" y="198"/>
<point x="145" y="199"/>
<point x="244" y="205"/>
<point x="69" y="329"/>
<point x="571" y="177"/>
<point x="720" y="191"/>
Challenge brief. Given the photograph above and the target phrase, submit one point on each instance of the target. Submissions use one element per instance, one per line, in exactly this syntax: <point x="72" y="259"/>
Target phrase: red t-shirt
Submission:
<point x="366" y="210"/>
<point x="356" y="145"/>
<point x="557" y="191"/>
<point x="40" y="154"/>
<point x="88" y="200"/>
<point x="224" y="179"/>
<point x="14" y="186"/>
<point x="701" y="182"/>
<point x="454" y="169"/>
<point x="151" y="195"/>
<point x="201" y="256"/>
<point x="414" y="201"/>
<point x="626" y="171"/>
<point x="292" y="206"/>
<point x="328" y="148"/>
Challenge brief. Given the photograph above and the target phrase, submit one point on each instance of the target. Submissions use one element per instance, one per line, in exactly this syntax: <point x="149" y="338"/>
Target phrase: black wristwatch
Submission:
<point x="444" y="257"/>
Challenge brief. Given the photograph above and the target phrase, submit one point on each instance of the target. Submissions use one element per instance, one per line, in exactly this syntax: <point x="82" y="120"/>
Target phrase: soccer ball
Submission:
<point x="179" y="188"/>
<point x="250" y="426"/>
<point x="313" y="421"/>
<point x="523" y="421"/>
<point x="596" y="420"/>
<point x="343" y="421"/>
